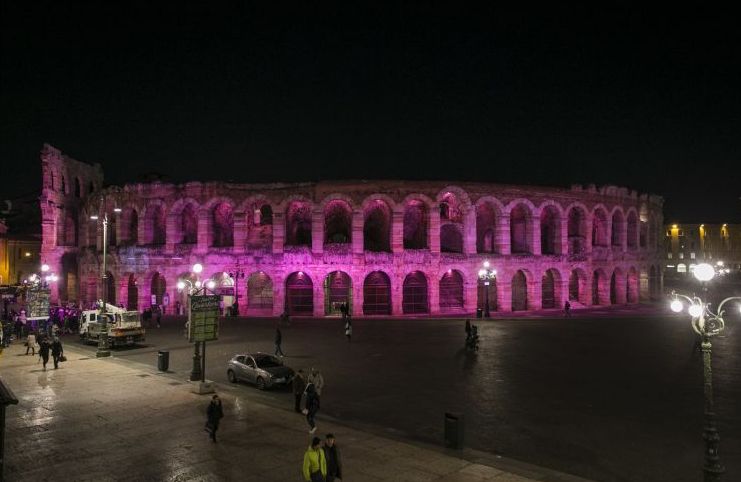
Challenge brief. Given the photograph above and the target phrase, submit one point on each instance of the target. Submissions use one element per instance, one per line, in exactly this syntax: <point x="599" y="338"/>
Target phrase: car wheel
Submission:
<point x="231" y="376"/>
<point x="260" y="383"/>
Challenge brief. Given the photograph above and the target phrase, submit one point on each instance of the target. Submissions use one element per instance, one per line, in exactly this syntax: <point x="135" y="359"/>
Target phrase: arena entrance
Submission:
<point x="299" y="294"/>
<point x="451" y="292"/>
<point x="259" y="293"/>
<point x="337" y="291"/>
<point x="482" y="289"/>
<point x="132" y="294"/>
<point x="519" y="292"/>
<point x="414" y="299"/>
<point x="548" y="290"/>
<point x="377" y="294"/>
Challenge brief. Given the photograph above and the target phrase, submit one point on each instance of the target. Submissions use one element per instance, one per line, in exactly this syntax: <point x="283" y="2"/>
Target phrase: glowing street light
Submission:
<point x="486" y="274"/>
<point x="676" y="306"/>
<point x="197" y="268"/>
<point x="704" y="272"/>
<point x="44" y="268"/>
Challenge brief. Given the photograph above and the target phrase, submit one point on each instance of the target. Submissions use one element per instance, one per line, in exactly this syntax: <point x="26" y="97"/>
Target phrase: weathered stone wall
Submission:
<point x="595" y="246"/>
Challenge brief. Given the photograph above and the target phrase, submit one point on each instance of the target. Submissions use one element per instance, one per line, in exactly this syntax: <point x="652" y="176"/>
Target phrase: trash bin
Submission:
<point x="454" y="430"/>
<point x="479" y="313"/>
<point x="163" y="360"/>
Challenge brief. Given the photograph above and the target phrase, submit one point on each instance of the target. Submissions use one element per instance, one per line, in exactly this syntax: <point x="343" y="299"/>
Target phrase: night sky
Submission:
<point x="234" y="92"/>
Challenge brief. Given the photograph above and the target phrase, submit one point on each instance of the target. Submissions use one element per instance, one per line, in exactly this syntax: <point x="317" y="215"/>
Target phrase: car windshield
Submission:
<point x="267" y="361"/>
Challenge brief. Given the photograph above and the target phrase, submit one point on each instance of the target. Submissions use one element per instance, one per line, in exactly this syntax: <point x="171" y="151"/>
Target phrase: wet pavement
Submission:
<point x="117" y="420"/>
<point x="607" y="396"/>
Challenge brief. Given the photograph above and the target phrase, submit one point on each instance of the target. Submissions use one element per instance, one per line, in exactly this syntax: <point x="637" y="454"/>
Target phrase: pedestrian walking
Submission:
<point x="159" y="317"/>
<point x="312" y="406"/>
<point x="299" y="385"/>
<point x="468" y="328"/>
<point x="57" y="351"/>
<point x="348" y="330"/>
<point x="44" y="348"/>
<point x="334" y="459"/>
<point x="317" y="380"/>
<point x="31" y="344"/>
<point x="214" y="414"/>
<point x="278" y="341"/>
<point x="567" y="309"/>
<point x="315" y="462"/>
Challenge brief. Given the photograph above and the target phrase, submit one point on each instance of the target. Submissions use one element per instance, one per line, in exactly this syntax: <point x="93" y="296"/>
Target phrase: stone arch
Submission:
<point x="577" y="228"/>
<point x="67" y="230"/>
<point x="259" y="293"/>
<point x="415" y="296"/>
<point x="377" y="221"/>
<point x="155" y="226"/>
<point x="452" y="292"/>
<point x="550" y="228"/>
<point x="185" y="214"/>
<point x="578" y="286"/>
<point x="632" y="286"/>
<point x="520" y="298"/>
<point x="298" y="222"/>
<point x="132" y="292"/>
<point x="600" y="226"/>
<point x="462" y="199"/>
<point x="416" y="221"/>
<point x="488" y="215"/>
<point x="337" y="221"/>
<point x="617" y="287"/>
<point x="521" y="227"/>
<point x="157" y="289"/>
<point x="618" y="227"/>
<point x="258" y="211"/>
<point x="129" y="228"/>
<point x="551" y="289"/>
<point x="377" y="294"/>
<point x="221" y="214"/>
<point x="299" y="294"/>
<point x="454" y="205"/>
<point x="600" y="288"/>
<point x="337" y="291"/>
<point x="632" y="229"/>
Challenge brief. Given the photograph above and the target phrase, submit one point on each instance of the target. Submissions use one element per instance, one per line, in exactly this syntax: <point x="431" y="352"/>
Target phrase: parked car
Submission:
<point x="262" y="369"/>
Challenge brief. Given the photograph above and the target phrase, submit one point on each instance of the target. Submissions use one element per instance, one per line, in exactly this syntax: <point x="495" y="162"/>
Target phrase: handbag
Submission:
<point x="62" y="358"/>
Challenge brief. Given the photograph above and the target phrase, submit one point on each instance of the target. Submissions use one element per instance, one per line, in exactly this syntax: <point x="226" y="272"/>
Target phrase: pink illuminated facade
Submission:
<point x="384" y="247"/>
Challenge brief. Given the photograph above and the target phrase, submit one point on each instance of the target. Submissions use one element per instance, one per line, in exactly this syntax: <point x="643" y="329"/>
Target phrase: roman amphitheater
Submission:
<point x="384" y="247"/>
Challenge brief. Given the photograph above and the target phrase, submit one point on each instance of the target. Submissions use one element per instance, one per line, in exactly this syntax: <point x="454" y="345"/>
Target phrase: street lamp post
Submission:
<point x="486" y="274"/>
<point x="706" y="324"/>
<point x="103" y="346"/>
<point x="195" y="373"/>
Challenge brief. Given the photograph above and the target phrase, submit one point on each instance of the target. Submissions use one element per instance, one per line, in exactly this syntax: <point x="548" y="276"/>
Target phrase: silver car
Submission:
<point x="263" y="370"/>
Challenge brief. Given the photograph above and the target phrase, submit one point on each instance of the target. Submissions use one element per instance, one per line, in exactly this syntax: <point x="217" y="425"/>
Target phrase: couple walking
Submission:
<point x="322" y="463"/>
<point x="311" y="387"/>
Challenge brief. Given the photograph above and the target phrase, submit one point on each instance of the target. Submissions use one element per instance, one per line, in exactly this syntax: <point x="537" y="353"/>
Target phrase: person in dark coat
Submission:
<point x="334" y="459"/>
<point x="44" y="347"/>
<point x="56" y="351"/>
<point x="278" y="341"/>
<point x="567" y="309"/>
<point x="299" y="385"/>
<point x="312" y="406"/>
<point x="214" y="414"/>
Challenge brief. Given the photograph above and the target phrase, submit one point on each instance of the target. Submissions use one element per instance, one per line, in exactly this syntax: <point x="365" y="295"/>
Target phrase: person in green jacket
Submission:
<point x="315" y="464"/>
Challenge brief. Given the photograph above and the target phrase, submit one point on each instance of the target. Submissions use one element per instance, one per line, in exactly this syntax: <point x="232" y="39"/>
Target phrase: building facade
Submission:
<point x="382" y="247"/>
<point x="686" y="245"/>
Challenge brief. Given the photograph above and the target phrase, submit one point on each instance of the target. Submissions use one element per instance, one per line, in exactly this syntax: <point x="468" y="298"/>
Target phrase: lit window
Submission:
<point x="692" y="267"/>
<point x="692" y="255"/>
<point x="668" y="256"/>
<point x="681" y="268"/>
<point x="681" y="255"/>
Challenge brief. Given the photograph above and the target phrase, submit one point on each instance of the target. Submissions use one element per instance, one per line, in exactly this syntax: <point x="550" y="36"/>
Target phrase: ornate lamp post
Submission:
<point x="486" y="274"/>
<point x="193" y="288"/>
<point x="103" y="346"/>
<point x="706" y="324"/>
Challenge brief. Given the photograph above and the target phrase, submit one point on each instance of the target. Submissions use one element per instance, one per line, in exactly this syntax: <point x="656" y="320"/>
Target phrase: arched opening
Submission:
<point x="377" y="294"/>
<point x="481" y="295"/>
<point x="155" y="229"/>
<point x="132" y="293"/>
<point x="224" y="287"/>
<point x="614" y="296"/>
<point x="259" y="293"/>
<point x="451" y="292"/>
<point x="129" y="226"/>
<point x="599" y="228"/>
<point x="577" y="286"/>
<point x="414" y="294"/>
<point x="337" y="222"/>
<point x="68" y="289"/>
<point x="632" y="230"/>
<point x="618" y="223"/>
<point x="63" y="188"/>
<point x="158" y="287"/>
<point x="377" y="227"/>
<point x="577" y="230"/>
<point x="632" y="286"/>
<point x="111" y="288"/>
<point x="299" y="294"/>
<point x="550" y="230"/>
<point x="222" y="225"/>
<point x="298" y="224"/>
<point x="415" y="225"/>
<point x="643" y="234"/>
<point x="189" y="225"/>
<point x="519" y="230"/>
<point x="337" y="292"/>
<point x="68" y="234"/>
<point x="549" y="290"/>
<point x="451" y="224"/>
<point x="519" y="292"/>
<point x="266" y="215"/>
<point x="600" y="292"/>
<point x="260" y="226"/>
<point x="486" y="228"/>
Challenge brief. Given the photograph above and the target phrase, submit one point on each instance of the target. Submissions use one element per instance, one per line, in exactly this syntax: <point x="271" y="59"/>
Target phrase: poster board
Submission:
<point x="203" y="318"/>
<point x="37" y="303"/>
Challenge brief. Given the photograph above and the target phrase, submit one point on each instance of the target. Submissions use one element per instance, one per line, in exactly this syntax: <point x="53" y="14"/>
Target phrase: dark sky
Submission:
<point x="234" y="92"/>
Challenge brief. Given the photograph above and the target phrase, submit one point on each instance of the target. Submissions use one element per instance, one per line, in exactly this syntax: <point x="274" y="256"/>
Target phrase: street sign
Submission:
<point x="203" y="318"/>
<point x="37" y="303"/>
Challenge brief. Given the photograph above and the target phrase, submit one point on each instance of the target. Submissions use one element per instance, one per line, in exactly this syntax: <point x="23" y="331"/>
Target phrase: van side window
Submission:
<point x="92" y="316"/>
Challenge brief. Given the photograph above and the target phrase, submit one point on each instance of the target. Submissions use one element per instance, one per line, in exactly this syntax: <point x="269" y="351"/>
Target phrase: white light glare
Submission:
<point x="197" y="268"/>
<point x="198" y="284"/>
<point x="44" y="268"/>
<point x="704" y="272"/>
<point x="211" y="284"/>
<point x="486" y="264"/>
<point x="116" y="210"/>
<point x="94" y="217"/>
<point x="482" y="273"/>
<point x="676" y="306"/>
<point x="695" y="311"/>
<point x="181" y="285"/>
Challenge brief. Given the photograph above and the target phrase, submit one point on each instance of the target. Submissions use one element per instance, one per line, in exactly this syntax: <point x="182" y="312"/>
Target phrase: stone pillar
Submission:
<point x="204" y="231"/>
<point x="142" y="235"/>
<point x="588" y="238"/>
<point x="534" y="235"/>
<point x="562" y="243"/>
<point x="397" y="231"/>
<point x="433" y="292"/>
<point x="318" y="297"/>
<point x="357" y="232"/>
<point x="433" y="232"/>
<point x="470" y="295"/>
<point x="317" y="234"/>
<point x="620" y="289"/>
<point x="624" y="237"/>
<point x="534" y="293"/>
<point x="397" y="296"/>
<point x="357" y="296"/>
<point x="279" y="234"/>
<point x="279" y="290"/>
<point x="504" y="293"/>
<point x="469" y="232"/>
<point x="172" y="233"/>
<point x="240" y="231"/>
<point x="503" y="246"/>
<point x="119" y="230"/>
<point x="562" y="290"/>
